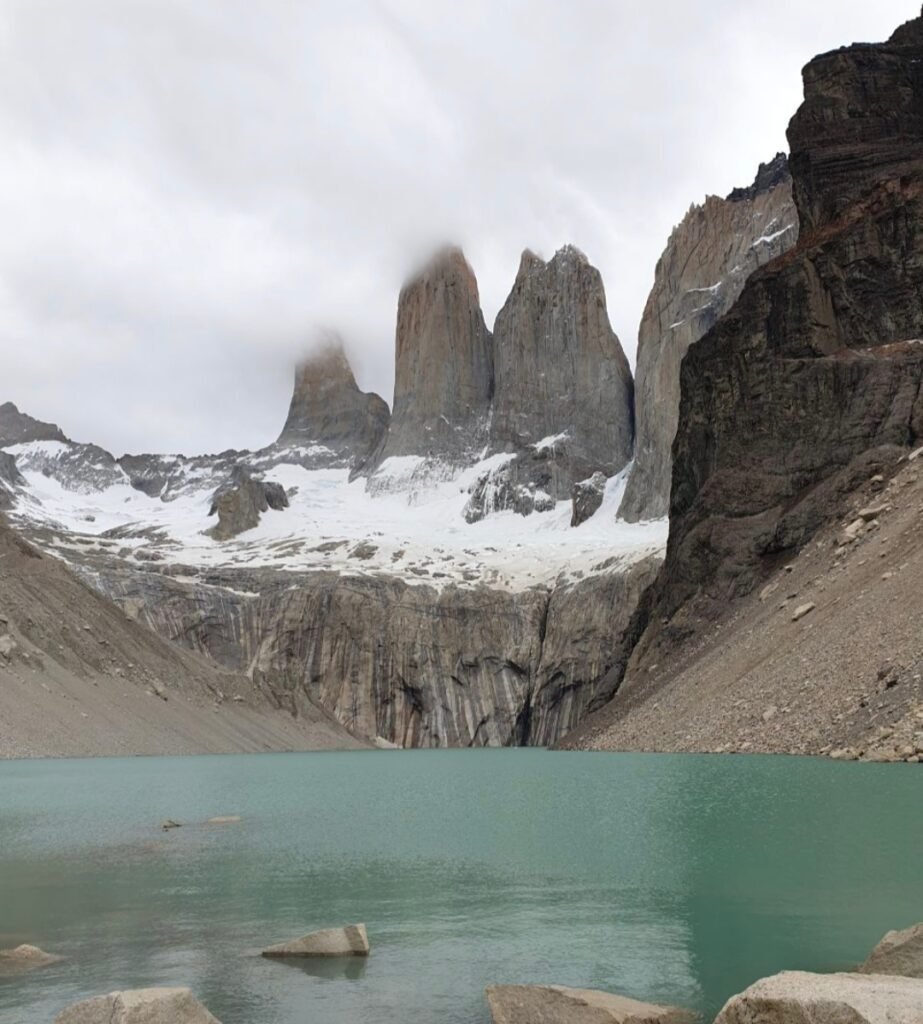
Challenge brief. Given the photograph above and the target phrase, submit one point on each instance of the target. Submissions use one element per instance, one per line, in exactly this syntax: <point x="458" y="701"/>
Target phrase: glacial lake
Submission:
<point x="672" y="878"/>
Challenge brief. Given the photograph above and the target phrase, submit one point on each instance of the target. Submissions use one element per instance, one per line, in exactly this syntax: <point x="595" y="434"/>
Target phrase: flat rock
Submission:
<point x="555" y="1004"/>
<point x="802" y="610"/>
<point x="224" y="819"/>
<point x="139" y="1006"/>
<point x="350" y="940"/>
<point x="899" y="952"/>
<point x="25" y="958"/>
<point x="797" y="997"/>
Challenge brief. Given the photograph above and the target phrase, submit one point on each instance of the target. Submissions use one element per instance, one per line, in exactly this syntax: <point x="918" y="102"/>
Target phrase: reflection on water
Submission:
<point x="673" y="878"/>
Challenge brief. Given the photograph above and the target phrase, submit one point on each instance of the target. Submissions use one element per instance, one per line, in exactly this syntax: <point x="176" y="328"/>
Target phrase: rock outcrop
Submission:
<point x="555" y="1004"/>
<point x="444" y="375"/>
<point x="329" y="417"/>
<point x="820" y="360"/>
<point x="560" y="371"/>
<point x="240" y="502"/>
<point x="10" y="479"/>
<point x="139" y="1006"/>
<point x="700" y="275"/>
<point x="899" y="952"/>
<point x="350" y="940"/>
<point x="412" y="664"/>
<point x="794" y="997"/>
<point x="587" y="498"/>
<point x="16" y="427"/>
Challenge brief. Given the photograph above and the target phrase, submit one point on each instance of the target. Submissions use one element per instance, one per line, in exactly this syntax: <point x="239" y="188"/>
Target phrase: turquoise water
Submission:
<point x="668" y="877"/>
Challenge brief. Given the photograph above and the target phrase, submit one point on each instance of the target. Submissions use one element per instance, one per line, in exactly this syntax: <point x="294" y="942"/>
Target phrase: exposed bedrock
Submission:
<point x="560" y="369"/>
<point x="17" y="427"/>
<point x="328" y="414"/>
<point x="414" y="665"/>
<point x="820" y="362"/>
<point x="700" y="275"/>
<point x="443" y="366"/>
<point x="240" y="501"/>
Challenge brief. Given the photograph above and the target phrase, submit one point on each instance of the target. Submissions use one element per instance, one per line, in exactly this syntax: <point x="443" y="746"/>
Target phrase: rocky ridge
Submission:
<point x="700" y="275"/>
<point x="806" y="390"/>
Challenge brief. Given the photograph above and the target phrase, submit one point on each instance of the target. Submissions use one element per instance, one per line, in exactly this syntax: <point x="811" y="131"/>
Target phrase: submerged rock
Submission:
<point x="139" y="1006"/>
<point x="555" y="1004"/>
<point x="25" y="958"/>
<point x="899" y="952"/>
<point x="797" y="997"/>
<point x="350" y="940"/>
<point x="224" y="819"/>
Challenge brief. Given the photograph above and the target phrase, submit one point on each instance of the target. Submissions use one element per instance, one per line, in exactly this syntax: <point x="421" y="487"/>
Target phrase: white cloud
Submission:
<point x="189" y="189"/>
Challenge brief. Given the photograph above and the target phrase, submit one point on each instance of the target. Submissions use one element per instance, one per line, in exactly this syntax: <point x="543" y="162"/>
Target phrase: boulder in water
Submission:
<point x="897" y="953"/>
<point x="555" y="1004"/>
<point x="25" y="958"/>
<point x="797" y="997"/>
<point x="350" y="940"/>
<point x="139" y="1006"/>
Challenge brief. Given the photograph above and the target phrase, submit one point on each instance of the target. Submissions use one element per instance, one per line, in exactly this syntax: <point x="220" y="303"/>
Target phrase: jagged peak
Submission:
<point x="17" y="426"/>
<point x="768" y="176"/>
<point x="908" y="34"/>
<point x="325" y="361"/>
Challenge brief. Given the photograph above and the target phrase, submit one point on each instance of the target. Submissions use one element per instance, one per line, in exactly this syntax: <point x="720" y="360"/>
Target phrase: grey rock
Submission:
<point x="17" y="427"/>
<point x="443" y="366"/>
<point x="560" y="370"/>
<point x="899" y="952"/>
<point x="796" y="997"/>
<point x="587" y="498"/>
<point x="555" y="1004"/>
<point x="350" y="940"/>
<point x="10" y="479"/>
<point x="139" y="1006"/>
<point x="329" y="416"/>
<point x="240" y="502"/>
<point x="700" y="275"/>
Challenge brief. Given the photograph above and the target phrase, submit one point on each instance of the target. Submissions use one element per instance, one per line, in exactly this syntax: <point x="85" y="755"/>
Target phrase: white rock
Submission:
<point x="139" y="1006"/>
<point x="350" y="940"/>
<point x="555" y="1004"/>
<point x="899" y="952"/>
<point x="796" y="997"/>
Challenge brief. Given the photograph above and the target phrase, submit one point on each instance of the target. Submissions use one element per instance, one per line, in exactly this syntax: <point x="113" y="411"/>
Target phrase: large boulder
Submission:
<point x="25" y="958"/>
<point x="139" y="1006"/>
<point x="897" y="953"/>
<point x="587" y="498"/>
<point x="350" y="940"/>
<point x="797" y="997"/>
<point x="555" y="1004"/>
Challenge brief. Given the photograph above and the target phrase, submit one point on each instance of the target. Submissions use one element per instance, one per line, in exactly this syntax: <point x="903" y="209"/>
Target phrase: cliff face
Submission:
<point x="414" y="665"/>
<point x="698" y="278"/>
<point x="443" y="366"/>
<point x="559" y="366"/>
<point x="328" y="414"/>
<point x="819" y="363"/>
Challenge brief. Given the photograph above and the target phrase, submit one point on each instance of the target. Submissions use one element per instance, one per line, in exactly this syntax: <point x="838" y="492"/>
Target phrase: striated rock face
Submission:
<point x="560" y="369"/>
<point x="416" y="666"/>
<point x="699" y="277"/>
<point x="820" y="360"/>
<point x="240" y="501"/>
<point x="16" y="427"/>
<point x="444" y="367"/>
<point x="329" y="415"/>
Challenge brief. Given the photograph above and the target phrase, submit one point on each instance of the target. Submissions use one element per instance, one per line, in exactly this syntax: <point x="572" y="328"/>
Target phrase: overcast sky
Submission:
<point x="189" y="188"/>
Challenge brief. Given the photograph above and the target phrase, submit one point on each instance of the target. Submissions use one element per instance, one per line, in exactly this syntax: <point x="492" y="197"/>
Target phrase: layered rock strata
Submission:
<point x="416" y="666"/>
<point x="700" y="275"/>
<point x="819" y="364"/>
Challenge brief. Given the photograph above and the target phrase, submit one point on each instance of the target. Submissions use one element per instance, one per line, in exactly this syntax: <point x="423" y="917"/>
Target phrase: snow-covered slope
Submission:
<point x="400" y="523"/>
